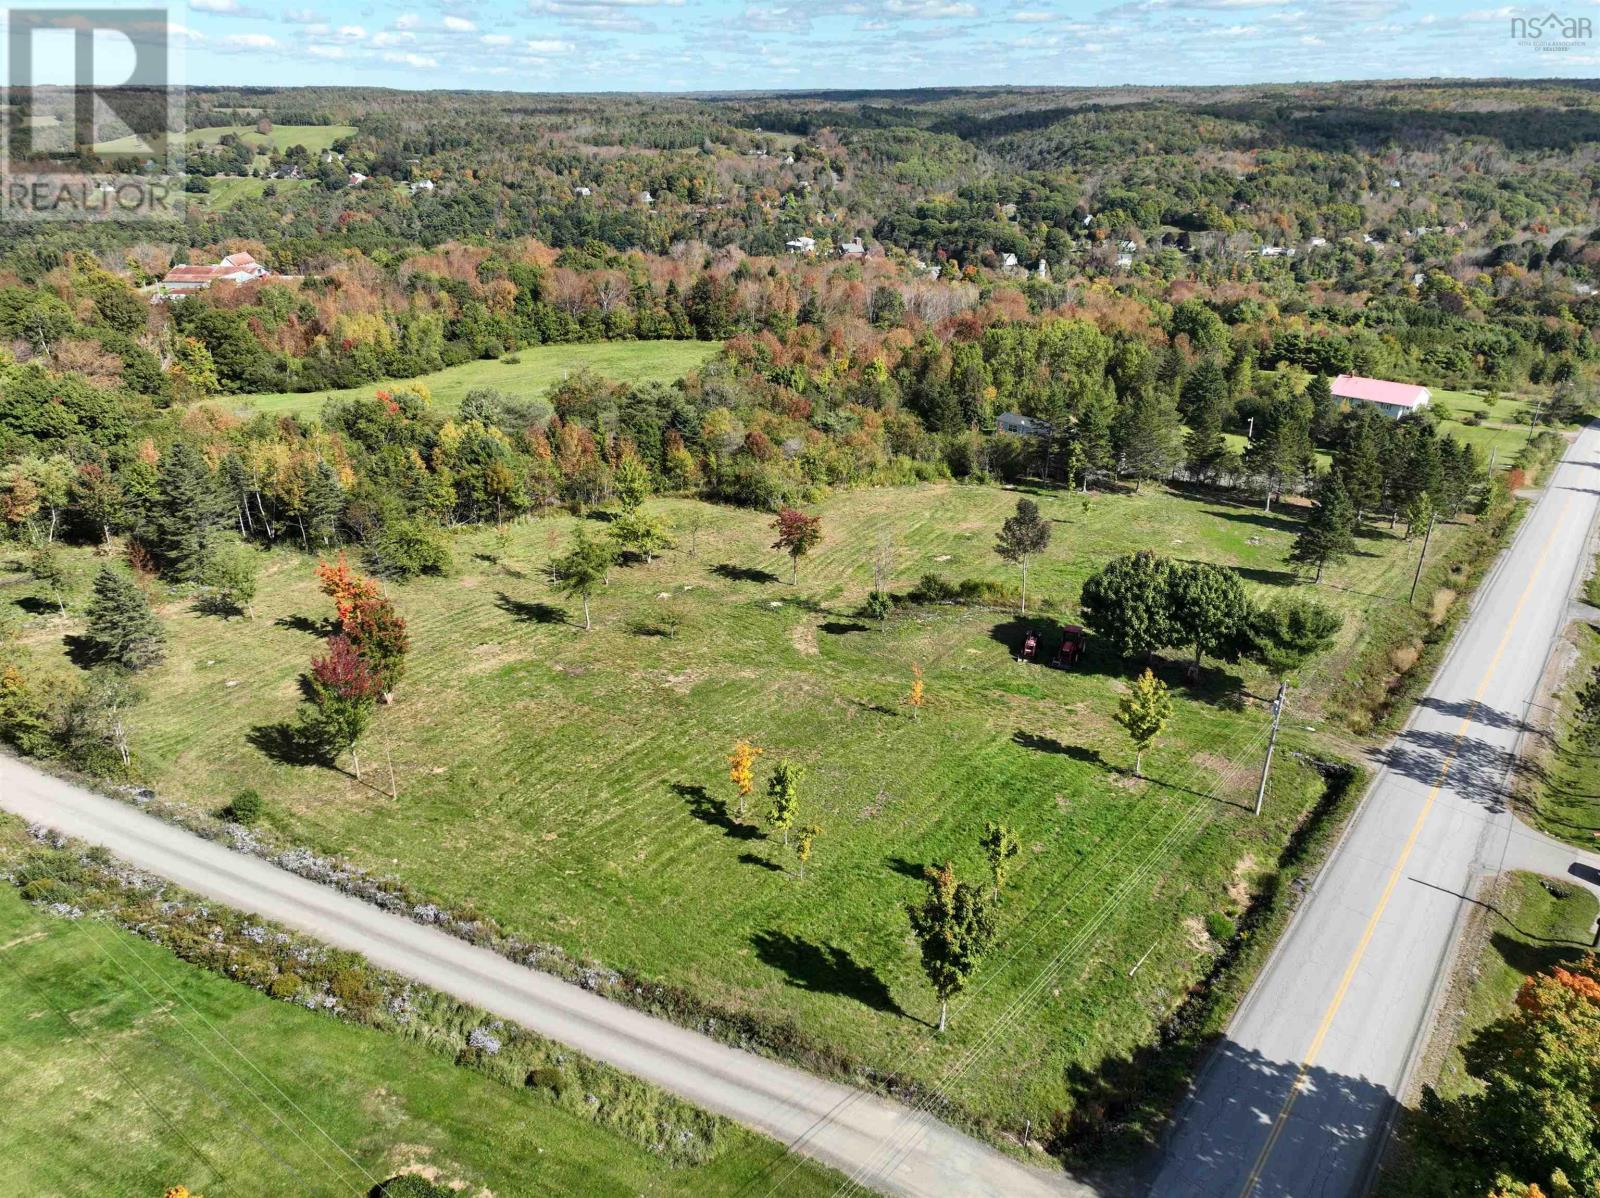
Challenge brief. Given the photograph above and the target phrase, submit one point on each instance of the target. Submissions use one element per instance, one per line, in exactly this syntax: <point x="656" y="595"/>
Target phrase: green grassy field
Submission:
<point x="539" y="368"/>
<point x="227" y="191"/>
<point x="107" y="1040"/>
<point x="1504" y="429"/>
<point x="574" y="785"/>
<point x="1561" y="793"/>
<point x="314" y="138"/>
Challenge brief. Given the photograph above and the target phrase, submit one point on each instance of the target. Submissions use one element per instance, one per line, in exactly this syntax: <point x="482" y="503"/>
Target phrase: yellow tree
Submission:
<point x="741" y="770"/>
<point x="803" y="842"/>
<point x="916" y="698"/>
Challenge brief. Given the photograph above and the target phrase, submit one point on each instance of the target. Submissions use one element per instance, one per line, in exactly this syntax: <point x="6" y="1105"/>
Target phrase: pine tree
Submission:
<point x="1281" y="451"/>
<point x="1147" y="434"/>
<point x="1205" y="448"/>
<point x="1328" y="536"/>
<point x="121" y="625"/>
<point x="1092" y="435"/>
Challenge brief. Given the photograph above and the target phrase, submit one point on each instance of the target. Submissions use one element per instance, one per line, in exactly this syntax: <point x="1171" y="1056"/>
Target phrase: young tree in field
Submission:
<point x="636" y="531"/>
<point x="954" y="925"/>
<point x="804" y="839"/>
<point x="917" y="696"/>
<point x="999" y="845"/>
<point x="879" y="607"/>
<point x="121" y="625"/>
<point x="741" y="770"/>
<point x="1128" y="601"/>
<point x="693" y="522"/>
<point x="1143" y="713"/>
<point x="631" y="481"/>
<point x="783" y="788"/>
<point x="344" y="691"/>
<point x="1024" y="535"/>
<point x="45" y="567"/>
<point x="229" y="576"/>
<point x="798" y="535"/>
<point x="582" y="570"/>
<point x="1419" y="513"/>
<point x="1208" y="609"/>
<point x="1288" y="634"/>
<point x="1328" y="536"/>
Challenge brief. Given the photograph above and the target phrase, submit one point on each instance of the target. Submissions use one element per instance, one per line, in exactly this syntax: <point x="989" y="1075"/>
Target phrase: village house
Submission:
<point x="185" y="279"/>
<point x="1392" y="399"/>
<point x="852" y="249"/>
<point x="1019" y="425"/>
<point x="802" y="245"/>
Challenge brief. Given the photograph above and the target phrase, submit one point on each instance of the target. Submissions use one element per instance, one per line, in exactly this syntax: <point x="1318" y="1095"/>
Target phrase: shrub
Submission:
<point x="406" y="549"/>
<point x="1220" y="928"/>
<point x="410" y="1185"/>
<point x="935" y="588"/>
<point x="548" y="1077"/>
<point x="245" y="808"/>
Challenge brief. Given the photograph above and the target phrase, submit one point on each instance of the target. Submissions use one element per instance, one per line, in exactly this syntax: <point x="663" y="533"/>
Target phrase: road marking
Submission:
<point x="1399" y="866"/>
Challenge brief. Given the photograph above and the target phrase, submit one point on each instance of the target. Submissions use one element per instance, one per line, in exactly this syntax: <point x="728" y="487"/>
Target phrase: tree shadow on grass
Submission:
<point x="531" y="611"/>
<point x="764" y="863"/>
<point x="1049" y="744"/>
<point x="907" y="869"/>
<point x="82" y="651"/>
<point x="279" y="742"/>
<point x="35" y="606"/>
<point x="305" y="624"/>
<point x="714" y="812"/>
<point x="824" y="969"/>
<point x="836" y="628"/>
<point x="743" y="573"/>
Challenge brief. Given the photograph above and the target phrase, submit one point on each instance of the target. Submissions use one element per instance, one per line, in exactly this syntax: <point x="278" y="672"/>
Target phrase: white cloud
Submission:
<point x="321" y="51"/>
<point x="930" y="10"/>
<point x="351" y="33"/>
<point x="548" y="45"/>
<point x="390" y="38"/>
<point x="459" y="25"/>
<point x="497" y="39"/>
<point x="219" y="6"/>
<point x="408" y="20"/>
<point x="1034" y="17"/>
<point x="249" y="41"/>
<point x="421" y="62"/>
<point x="301" y="16"/>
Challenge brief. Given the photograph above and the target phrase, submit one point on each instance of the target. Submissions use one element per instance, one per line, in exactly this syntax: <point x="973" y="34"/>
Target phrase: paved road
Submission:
<point x="1294" y="1100"/>
<point x="840" y="1126"/>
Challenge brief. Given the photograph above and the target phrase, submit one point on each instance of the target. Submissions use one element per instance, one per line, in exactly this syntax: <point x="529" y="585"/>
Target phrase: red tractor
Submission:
<point x="1073" y="642"/>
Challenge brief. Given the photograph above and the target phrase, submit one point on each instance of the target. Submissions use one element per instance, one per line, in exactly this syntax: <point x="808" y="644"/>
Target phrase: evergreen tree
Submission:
<point x="1281" y="452"/>
<point x="1208" y="609"/>
<point x="1207" y="387"/>
<point x="1128" y="601"/>
<point x="1359" y="461"/>
<point x="1206" y="449"/>
<point x="121" y="625"/>
<point x="1328" y="536"/>
<point x="1148" y="435"/>
<point x="177" y="531"/>
<point x="1092" y="435"/>
<point x="324" y="505"/>
<point x="1289" y="633"/>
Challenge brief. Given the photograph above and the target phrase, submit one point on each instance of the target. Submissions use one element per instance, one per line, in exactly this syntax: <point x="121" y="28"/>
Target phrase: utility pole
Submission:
<point x="1272" y="743"/>
<point x="1421" y="557"/>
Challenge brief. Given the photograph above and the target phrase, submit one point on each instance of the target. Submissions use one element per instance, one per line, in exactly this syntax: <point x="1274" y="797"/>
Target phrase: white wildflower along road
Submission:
<point x="878" y="1143"/>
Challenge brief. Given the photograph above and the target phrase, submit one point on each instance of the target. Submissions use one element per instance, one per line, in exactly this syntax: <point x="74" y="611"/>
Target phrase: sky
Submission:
<point x="724" y="45"/>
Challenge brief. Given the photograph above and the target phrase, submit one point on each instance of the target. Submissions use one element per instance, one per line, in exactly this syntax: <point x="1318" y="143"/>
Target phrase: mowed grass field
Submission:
<point x="1562" y="789"/>
<point x="575" y="784"/>
<point x="539" y="368"/>
<point x="124" y="1071"/>
<point x="314" y="138"/>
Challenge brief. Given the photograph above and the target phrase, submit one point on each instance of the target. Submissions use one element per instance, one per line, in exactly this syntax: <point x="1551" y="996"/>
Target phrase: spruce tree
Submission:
<point x="122" y="627"/>
<point x="1329" y="533"/>
<point x="1147" y="434"/>
<point x="178" y="529"/>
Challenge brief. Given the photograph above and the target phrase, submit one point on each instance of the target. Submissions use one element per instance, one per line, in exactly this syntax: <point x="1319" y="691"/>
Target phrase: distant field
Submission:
<point x="315" y="138"/>
<point x="575" y="784"/>
<point x="106" y="1040"/>
<point x="540" y="367"/>
<point x="227" y="191"/>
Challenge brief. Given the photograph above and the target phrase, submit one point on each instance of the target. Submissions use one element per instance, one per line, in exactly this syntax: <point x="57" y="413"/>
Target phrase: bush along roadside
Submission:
<point x="1407" y="640"/>
<point x="77" y="882"/>
<point x="1120" y="1108"/>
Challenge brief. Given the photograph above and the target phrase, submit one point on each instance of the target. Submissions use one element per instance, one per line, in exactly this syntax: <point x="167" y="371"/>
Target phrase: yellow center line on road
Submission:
<point x="1399" y="866"/>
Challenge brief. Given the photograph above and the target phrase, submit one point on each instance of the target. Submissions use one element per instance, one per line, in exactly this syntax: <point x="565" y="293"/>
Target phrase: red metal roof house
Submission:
<point x="1393" y="399"/>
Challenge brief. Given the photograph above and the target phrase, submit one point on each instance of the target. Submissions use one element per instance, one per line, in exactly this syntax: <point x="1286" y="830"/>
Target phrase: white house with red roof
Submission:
<point x="185" y="279"/>
<point x="1392" y="399"/>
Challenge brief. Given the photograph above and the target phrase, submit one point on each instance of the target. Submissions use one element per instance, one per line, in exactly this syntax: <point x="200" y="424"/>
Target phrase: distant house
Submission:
<point x="646" y="198"/>
<point x="1008" y="261"/>
<point x="357" y="178"/>
<point x="1124" y="260"/>
<point x="422" y="185"/>
<point x="185" y="278"/>
<point x="852" y="249"/>
<point x="1317" y="242"/>
<point x="582" y="191"/>
<point x="801" y="245"/>
<point x="1392" y="399"/>
<point x="1021" y="426"/>
<point x="1277" y="251"/>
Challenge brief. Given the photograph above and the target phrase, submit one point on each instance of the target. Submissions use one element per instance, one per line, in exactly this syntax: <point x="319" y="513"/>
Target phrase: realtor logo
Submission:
<point x="1552" y="33"/>
<point x="93" y="123"/>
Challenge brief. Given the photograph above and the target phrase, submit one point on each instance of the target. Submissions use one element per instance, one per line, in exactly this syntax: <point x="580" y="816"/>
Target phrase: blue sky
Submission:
<point x="691" y="45"/>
